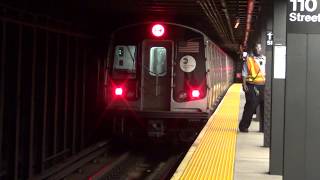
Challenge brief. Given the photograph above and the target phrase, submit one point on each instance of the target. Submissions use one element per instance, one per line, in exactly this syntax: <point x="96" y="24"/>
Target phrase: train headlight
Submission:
<point x="118" y="91"/>
<point x="195" y="93"/>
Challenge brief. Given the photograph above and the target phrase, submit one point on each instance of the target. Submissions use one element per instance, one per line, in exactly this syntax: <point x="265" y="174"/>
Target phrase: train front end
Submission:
<point x="156" y="81"/>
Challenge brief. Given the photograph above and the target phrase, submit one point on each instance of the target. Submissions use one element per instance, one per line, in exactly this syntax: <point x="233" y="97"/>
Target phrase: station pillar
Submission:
<point x="278" y="87"/>
<point x="302" y="102"/>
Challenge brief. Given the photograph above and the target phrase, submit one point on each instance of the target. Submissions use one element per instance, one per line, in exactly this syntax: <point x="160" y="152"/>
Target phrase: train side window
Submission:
<point x="158" y="61"/>
<point x="125" y="58"/>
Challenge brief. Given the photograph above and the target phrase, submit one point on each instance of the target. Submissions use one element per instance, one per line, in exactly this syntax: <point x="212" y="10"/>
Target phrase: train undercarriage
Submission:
<point x="157" y="125"/>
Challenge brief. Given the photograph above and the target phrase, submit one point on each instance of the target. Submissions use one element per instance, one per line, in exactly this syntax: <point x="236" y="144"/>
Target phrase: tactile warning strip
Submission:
<point x="212" y="155"/>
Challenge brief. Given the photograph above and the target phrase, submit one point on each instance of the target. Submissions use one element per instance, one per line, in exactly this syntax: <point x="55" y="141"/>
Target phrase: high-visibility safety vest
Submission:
<point x="255" y="75"/>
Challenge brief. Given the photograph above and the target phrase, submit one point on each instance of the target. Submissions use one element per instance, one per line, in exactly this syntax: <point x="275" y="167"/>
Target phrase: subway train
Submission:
<point x="163" y="80"/>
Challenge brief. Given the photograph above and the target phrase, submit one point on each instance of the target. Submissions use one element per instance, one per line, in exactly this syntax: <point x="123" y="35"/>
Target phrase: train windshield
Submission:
<point x="158" y="61"/>
<point x="125" y="58"/>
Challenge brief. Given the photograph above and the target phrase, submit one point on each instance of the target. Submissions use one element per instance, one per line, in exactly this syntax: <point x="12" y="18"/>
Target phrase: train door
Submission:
<point x="156" y="72"/>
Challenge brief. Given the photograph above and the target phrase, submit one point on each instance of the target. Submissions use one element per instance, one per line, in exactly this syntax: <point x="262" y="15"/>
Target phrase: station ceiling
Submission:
<point x="216" y="18"/>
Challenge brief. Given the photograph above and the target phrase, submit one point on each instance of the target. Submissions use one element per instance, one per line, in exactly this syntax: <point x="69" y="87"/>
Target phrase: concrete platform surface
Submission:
<point x="252" y="159"/>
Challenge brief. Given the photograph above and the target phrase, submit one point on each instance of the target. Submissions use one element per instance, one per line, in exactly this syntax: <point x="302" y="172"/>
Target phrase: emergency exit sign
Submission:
<point x="303" y="16"/>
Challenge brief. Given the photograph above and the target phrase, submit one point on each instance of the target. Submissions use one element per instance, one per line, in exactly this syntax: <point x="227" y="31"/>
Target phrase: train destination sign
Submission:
<point x="303" y="16"/>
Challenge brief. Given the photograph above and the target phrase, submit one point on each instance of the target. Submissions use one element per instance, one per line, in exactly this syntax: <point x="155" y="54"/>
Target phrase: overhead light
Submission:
<point x="237" y="23"/>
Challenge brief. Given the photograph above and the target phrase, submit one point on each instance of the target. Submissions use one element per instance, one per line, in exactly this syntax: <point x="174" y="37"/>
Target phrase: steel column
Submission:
<point x="56" y="104"/>
<point x="83" y="103"/>
<point x="105" y="67"/>
<point x="268" y="52"/>
<point x="75" y="98"/>
<point x="32" y="106"/>
<point x="98" y="81"/>
<point x="2" y="82"/>
<point x="66" y="95"/>
<point x="18" y="108"/>
<point x="278" y="93"/>
<point x="45" y="103"/>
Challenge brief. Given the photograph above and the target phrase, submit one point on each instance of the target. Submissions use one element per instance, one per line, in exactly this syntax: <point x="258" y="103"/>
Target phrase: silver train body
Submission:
<point x="164" y="80"/>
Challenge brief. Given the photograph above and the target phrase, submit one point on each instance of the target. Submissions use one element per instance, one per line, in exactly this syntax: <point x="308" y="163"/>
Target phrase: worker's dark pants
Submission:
<point x="253" y="99"/>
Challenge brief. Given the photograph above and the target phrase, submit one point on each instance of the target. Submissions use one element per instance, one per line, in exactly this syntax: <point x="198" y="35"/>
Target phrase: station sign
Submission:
<point x="303" y="16"/>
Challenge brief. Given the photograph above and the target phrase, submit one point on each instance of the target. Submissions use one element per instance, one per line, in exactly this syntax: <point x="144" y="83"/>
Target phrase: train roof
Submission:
<point x="154" y="22"/>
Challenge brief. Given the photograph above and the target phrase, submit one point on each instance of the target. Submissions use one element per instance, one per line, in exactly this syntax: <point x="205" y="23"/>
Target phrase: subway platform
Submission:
<point x="221" y="152"/>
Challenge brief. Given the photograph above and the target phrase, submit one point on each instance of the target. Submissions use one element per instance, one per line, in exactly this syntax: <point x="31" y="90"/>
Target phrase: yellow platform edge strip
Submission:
<point x="212" y="155"/>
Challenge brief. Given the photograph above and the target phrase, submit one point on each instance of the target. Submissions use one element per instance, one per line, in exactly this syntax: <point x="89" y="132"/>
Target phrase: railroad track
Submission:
<point x="142" y="162"/>
<point x="131" y="166"/>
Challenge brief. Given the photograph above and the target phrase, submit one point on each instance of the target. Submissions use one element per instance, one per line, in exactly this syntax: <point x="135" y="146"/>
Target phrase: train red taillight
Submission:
<point x="118" y="91"/>
<point x="195" y="93"/>
<point x="158" y="30"/>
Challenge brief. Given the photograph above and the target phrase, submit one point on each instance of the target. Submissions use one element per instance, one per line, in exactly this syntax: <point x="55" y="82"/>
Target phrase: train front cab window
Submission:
<point x="156" y="73"/>
<point x="124" y="76"/>
<point x="125" y="59"/>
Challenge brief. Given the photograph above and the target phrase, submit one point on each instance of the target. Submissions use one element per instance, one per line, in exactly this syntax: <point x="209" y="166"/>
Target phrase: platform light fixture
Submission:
<point x="237" y="23"/>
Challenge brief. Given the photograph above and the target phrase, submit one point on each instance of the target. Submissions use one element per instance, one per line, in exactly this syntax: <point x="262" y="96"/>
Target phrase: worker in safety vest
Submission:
<point x="253" y="81"/>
